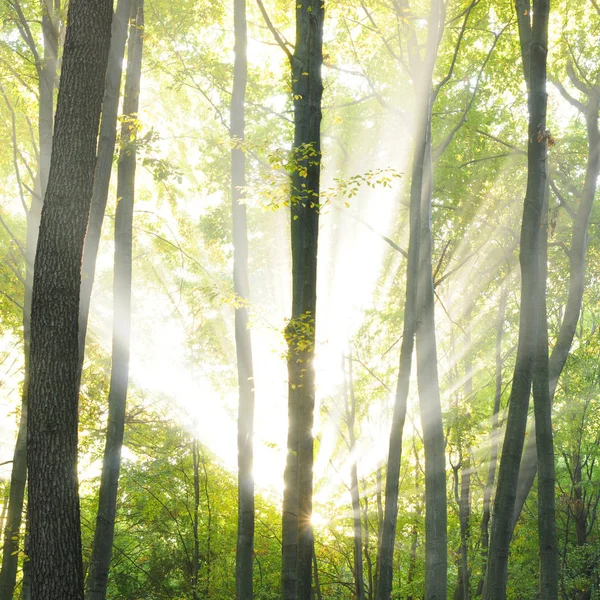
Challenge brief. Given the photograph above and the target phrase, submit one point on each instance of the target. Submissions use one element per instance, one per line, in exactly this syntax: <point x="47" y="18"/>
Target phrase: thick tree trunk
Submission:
<point x="97" y="581"/>
<point x="531" y="361"/>
<point x="56" y="564"/>
<point x="104" y="163"/>
<point x="46" y="73"/>
<point x="307" y="89"/>
<point x="245" y="532"/>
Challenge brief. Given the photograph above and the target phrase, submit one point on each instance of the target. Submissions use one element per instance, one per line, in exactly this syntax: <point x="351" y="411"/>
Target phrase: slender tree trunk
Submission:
<point x="436" y="559"/>
<point x="56" y="563"/>
<point x="350" y="409"/>
<point x="196" y="518"/>
<point x="26" y="585"/>
<point x="97" y="581"/>
<point x="379" y="500"/>
<point x="245" y="532"/>
<point x="487" y="493"/>
<point x="366" y="546"/>
<point x="318" y="595"/>
<point x="46" y="73"/>
<point x="577" y="267"/>
<point x="104" y="163"/>
<point x="385" y="557"/>
<point x="462" y="591"/>
<point x="307" y="89"/>
<point x="414" y="531"/>
<point x="531" y="361"/>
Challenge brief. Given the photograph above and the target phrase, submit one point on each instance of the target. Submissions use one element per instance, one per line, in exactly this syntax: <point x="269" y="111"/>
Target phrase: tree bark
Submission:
<point x="245" y="532"/>
<point x="531" y="360"/>
<point x="97" y="581"/>
<point x="307" y="89"/>
<point x="46" y="70"/>
<point x="56" y="563"/>
<point x="104" y="163"/>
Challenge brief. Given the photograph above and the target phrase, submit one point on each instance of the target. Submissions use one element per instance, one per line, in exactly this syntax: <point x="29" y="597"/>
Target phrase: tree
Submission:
<point x="532" y="353"/>
<point x="245" y="534"/>
<point x="45" y="66"/>
<point x="307" y="91"/>
<point x="97" y="580"/>
<point x="56" y="564"/>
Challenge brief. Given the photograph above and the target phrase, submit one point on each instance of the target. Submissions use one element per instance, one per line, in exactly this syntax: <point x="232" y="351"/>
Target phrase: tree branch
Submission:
<point x="281" y="43"/>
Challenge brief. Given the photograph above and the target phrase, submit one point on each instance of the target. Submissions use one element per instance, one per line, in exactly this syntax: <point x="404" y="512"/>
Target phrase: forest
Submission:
<point x="298" y="300"/>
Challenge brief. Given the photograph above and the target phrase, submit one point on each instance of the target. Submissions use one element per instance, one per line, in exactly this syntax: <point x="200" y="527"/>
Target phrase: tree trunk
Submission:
<point x="104" y="163"/>
<point x="195" y="521"/>
<point x="436" y="559"/>
<point x="350" y="409"/>
<point x="462" y="591"/>
<point x="307" y="89"/>
<point x="487" y="493"/>
<point x="414" y="532"/>
<point x="245" y="532"/>
<point x="56" y="564"/>
<point x="97" y="581"/>
<point x="577" y="264"/>
<point x="46" y="70"/>
<point x="531" y="360"/>
<point x="385" y="557"/>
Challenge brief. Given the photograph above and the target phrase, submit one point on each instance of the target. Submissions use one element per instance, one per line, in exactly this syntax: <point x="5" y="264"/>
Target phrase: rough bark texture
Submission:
<point x="104" y="163"/>
<point x="46" y="70"/>
<point x="56" y="564"/>
<point x="307" y="89"/>
<point x="97" y="581"/>
<point x="243" y="342"/>
<point x="532" y="327"/>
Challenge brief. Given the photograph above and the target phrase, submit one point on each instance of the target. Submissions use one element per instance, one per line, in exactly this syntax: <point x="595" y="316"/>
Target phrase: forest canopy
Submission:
<point x="298" y="300"/>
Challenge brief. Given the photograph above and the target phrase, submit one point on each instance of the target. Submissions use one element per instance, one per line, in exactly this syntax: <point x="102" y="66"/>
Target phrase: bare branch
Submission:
<point x="561" y="199"/>
<point x="390" y="50"/>
<point x="437" y="152"/>
<point x="461" y="34"/>
<point x="12" y="237"/>
<point x="25" y="31"/>
<point x="281" y="43"/>
<point x="18" y="304"/>
<point x="565" y="94"/>
<point x="516" y="149"/>
<point x="15" y="148"/>
<point x="386" y="239"/>
<point x="576" y="80"/>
